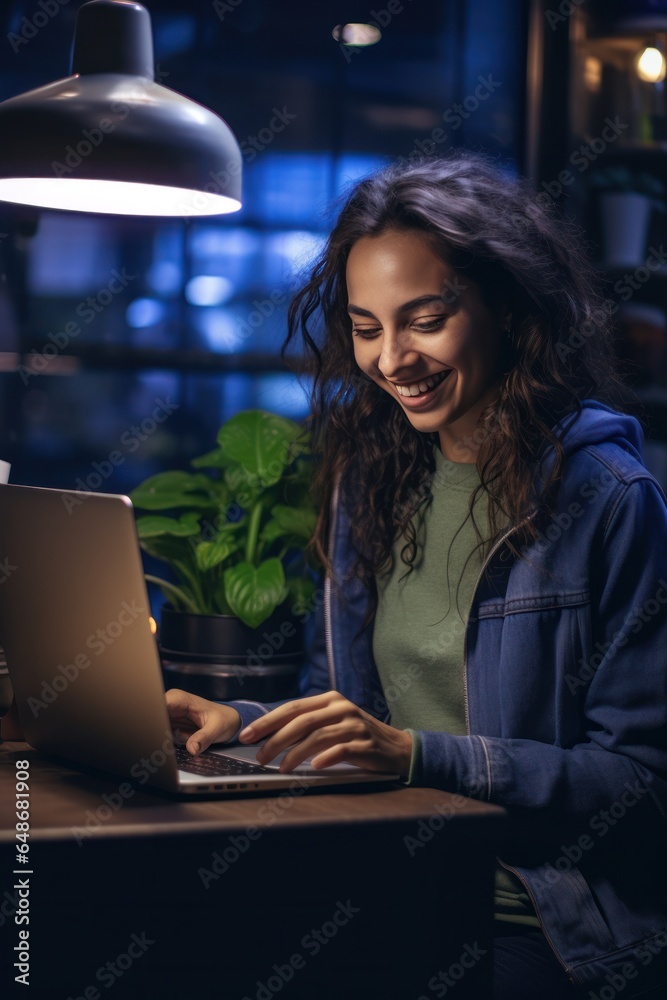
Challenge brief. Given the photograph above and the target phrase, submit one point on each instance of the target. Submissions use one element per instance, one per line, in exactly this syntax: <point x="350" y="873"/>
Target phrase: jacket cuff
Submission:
<point x="248" y="710"/>
<point x="452" y="763"/>
<point x="415" y="761"/>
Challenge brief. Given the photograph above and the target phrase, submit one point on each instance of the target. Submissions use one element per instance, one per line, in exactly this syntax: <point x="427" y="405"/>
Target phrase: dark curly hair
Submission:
<point x="496" y="231"/>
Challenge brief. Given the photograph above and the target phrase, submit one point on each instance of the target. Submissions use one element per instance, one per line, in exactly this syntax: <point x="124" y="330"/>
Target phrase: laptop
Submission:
<point x="84" y="663"/>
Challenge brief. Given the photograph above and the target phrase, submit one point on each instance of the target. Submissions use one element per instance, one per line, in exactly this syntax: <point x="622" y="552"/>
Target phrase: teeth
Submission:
<point x="418" y="387"/>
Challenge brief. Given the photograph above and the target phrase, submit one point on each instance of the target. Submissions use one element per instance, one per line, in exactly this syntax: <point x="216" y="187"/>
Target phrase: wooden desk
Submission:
<point x="360" y="894"/>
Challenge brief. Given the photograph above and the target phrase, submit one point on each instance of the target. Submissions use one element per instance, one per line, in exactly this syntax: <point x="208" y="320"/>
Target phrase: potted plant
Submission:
<point x="234" y="533"/>
<point x="626" y="199"/>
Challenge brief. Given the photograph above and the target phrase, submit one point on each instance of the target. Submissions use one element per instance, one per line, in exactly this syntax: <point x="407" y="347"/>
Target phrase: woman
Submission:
<point x="494" y="617"/>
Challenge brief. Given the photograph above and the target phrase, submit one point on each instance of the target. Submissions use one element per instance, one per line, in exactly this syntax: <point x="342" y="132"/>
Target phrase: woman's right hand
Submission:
<point x="202" y="721"/>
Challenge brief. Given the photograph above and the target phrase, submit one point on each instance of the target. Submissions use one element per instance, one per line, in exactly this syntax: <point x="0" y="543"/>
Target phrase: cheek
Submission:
<point x="361" y="356"/>
<point x="476" y="356"/>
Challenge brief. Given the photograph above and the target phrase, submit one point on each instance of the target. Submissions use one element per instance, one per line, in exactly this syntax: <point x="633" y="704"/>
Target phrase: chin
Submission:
<point x="425" y="423"/>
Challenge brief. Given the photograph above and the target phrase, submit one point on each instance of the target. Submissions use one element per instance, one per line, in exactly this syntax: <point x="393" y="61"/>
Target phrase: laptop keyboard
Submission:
<point x="210" y="765"/>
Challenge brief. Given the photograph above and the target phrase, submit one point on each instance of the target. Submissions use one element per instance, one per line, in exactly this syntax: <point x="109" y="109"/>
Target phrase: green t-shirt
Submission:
<point x="419" y="629"/>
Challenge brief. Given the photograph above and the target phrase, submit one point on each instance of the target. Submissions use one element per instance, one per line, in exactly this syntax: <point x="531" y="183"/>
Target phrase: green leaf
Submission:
<point x="261" y="442"/>
<point x="238" y="481"/>
<point x="253" y="593"/>
<point x="215" y="459"/>
<point x="172" y="489"/>
<point x="171" y="591"/>
<point x="166" y="547"/>
<point x="271" y="531"/>
<point x="154" y="526"/>
<point x="210" y="554"/>
<point x="299" y="521"/>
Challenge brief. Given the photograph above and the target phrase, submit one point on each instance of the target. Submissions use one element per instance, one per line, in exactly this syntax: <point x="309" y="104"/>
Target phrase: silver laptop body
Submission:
<point x="83" y="662"/>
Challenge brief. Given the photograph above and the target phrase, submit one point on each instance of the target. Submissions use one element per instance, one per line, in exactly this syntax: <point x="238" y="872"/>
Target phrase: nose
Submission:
<point x="397" y="355"/>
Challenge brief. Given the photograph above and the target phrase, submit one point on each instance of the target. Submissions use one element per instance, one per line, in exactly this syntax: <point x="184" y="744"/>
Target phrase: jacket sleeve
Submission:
<point x="313" y="676"/>
<point x="621" y="763"/>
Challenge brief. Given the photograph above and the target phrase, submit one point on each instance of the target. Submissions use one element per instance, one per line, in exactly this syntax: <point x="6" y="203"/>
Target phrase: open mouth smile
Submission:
<point x="422" y="389"/>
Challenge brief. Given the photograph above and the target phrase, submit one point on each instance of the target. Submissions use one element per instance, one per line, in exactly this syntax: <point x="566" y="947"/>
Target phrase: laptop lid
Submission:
<point x="74" y="623"/>
<point x="83" y="662"/>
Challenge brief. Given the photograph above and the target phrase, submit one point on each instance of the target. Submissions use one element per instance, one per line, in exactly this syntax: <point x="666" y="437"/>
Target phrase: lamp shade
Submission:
<point x="111" y="139"/>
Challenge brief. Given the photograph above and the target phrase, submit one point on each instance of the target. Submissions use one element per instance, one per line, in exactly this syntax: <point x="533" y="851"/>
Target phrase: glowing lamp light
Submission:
<point x="111" y="139"/>
<point x="357" y="34"/>
<point x="651" y="65"/>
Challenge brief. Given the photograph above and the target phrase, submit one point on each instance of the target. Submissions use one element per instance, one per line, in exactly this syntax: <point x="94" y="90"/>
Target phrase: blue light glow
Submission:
<point x="208" y="290"/>
<point x="220" y="329"/>
<point x="354" y="167"/>
<point x="144" y="312"/>
<point x="293" y="252"/>
<point x="165" y="277"/>
<point x="209" y="241"/>
<point x="290" y="188"/>
<point x="284" y="394"/>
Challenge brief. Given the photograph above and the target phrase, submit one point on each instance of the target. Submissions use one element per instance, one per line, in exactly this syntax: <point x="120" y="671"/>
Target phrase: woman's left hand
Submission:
<point x="334" y="729"/>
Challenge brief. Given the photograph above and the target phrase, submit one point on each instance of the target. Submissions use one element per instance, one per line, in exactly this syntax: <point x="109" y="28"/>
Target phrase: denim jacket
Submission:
<point x="565" y="673"/>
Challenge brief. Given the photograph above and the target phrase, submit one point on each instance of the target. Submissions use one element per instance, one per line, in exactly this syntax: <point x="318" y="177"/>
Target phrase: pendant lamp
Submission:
<point x="110" y="139"/>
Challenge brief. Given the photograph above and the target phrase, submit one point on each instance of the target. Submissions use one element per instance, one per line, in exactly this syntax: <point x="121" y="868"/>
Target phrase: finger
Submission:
<point x="296" y="731"/>
<point x="316" y="743"/>
<point x="181" y="706"/>
<point x="202" y="738"/>
<point x="182" y="733"/>
<point x="189" y="720"/>
<point x="353" y="752"/>
<point x="177" y="700"/>
<point x="260" y="728"/>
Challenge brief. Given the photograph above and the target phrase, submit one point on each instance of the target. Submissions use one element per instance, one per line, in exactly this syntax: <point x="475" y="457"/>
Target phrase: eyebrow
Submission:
<point x="412" y="304"/>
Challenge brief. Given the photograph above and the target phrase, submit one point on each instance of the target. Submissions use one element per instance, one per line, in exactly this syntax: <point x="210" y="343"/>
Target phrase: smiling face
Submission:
<point x="423" y="333"/>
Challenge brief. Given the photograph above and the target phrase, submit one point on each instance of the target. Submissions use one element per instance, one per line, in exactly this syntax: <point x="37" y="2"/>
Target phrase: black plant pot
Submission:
<point x="220" y="657"/>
